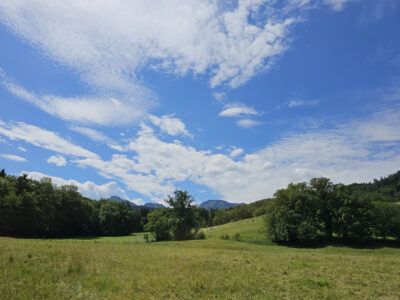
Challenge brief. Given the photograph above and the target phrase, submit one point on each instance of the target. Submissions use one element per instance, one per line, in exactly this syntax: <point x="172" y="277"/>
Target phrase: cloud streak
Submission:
<point x="13" y="157"/>
<point x="43" y="138"/>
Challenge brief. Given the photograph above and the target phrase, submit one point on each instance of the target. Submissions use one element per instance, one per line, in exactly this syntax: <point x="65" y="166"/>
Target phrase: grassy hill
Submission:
<point x="248" y="230"/>
<point x="126" y="268"/>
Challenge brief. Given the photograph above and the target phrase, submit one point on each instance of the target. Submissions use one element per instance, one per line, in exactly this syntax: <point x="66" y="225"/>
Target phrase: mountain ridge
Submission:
<point x="218" y="204"/>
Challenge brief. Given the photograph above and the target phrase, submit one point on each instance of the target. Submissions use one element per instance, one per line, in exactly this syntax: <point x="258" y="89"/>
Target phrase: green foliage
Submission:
<point x="183" y="215"/>
<point x="201" y="235"/>
<point x="224" y="236"/>
<point x="146" y="238"/>
<point x="236" y="237"/>
<point x="159" y="223"/>
<point x="386" y="189"/>
<point x="313" y="212"/>
<point x="30" y="208"/>
<point x="294" y="218"/>
<point x="354" y="218"/>
<point x="180" y="222"/>
<point x="386" y="220"/>
<point x="241" y="212"/>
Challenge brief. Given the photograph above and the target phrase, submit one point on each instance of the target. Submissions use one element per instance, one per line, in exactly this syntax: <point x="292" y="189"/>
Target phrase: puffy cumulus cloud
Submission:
<point x="58" y="160"/>
<point x="238" y="110"/>
<point x="355" y="151"/>
<point x="13" y="157"/>
<point x="170" y="125"/>
<point x="88" y="189"/>
<point x="248" y="123"/>
<point x="236" y="152"/>
<point x="43" y="138"/>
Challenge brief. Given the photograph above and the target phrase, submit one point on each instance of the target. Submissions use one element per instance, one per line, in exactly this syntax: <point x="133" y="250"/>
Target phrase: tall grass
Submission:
<point x="201" y="269"/>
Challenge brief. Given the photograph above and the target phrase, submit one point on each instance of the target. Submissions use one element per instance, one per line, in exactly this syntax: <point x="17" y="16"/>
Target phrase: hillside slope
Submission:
<point x="250" y="230"/>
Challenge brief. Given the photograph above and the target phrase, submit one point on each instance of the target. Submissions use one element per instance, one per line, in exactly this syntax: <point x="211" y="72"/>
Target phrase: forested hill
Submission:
<point x="138" y="207"/>
<point x="218" y="204"/>
<point x="386" y="189"/>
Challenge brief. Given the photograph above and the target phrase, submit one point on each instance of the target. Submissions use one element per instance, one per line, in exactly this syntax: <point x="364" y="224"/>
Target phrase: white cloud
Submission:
<point x="109" y="42"/>
<point x="219" y="96"/>
<point x="337" y="5"/>
<point x="97" y="136"/>
<point x="43" y="138"/>
<point x="238" y="110"/>
<point x="21" y="149"/>
<point x="88" y="189"/>
<point x="13" y="157"/>
<point x="104" y="110"/>
<point x="354" y="151"/>
<point x="298" y="102"/>
<point x="58" y="160"/>
<point x="169" y="124"/>
<point x="236" y="152"/>
<point x="248" y="123"/>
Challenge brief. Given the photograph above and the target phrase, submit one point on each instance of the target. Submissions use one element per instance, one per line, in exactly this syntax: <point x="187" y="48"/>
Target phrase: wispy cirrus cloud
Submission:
<point x="13" y="157"/>
<point x="299" y="102"/>
<point x="43" y="138"/>
<point x="97" y="136"/>
<point x="248" y="123"/>
<point x="238" y="110"/>
<point x="109" y="44"/>
<point x="101" y="110"/>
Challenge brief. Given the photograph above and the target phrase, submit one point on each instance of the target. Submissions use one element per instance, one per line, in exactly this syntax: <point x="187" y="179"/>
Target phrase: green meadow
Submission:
<point x="128" y="268"/>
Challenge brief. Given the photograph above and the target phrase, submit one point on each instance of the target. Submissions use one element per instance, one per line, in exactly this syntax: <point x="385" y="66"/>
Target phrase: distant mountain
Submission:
<point x="218" y="204"/>
<point x="116" y="198"/>
<point x="137" y="207"/>
<point x="153" y="205"/>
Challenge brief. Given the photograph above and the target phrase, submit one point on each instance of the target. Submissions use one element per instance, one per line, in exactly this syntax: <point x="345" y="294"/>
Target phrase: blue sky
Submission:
<point x="226" y="99"/>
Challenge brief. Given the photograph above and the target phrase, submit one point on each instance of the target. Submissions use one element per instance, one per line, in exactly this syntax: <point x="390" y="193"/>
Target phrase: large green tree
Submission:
<point x="184" y="220"/>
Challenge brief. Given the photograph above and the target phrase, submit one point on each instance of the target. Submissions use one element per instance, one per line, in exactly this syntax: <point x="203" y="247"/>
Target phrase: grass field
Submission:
<point x="124" y="268"/>
<point x="248" y="230"/>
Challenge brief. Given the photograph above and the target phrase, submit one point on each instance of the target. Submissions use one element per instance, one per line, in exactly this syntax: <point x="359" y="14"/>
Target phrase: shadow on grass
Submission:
<point x="336" y="242"/>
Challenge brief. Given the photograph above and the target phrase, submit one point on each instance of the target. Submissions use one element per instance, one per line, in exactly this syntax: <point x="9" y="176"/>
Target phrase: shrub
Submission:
<point x="201" y="235"/>
<point x="224" y="236"/>
<point x="146" y="237"/>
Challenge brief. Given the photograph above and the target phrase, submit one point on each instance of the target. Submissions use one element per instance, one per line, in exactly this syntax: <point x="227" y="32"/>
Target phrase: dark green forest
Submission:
<point x="320" y="210"/>
<point x="303" y="212"/>
<point x="30" y="208"/>
<point x="386" y="189"/>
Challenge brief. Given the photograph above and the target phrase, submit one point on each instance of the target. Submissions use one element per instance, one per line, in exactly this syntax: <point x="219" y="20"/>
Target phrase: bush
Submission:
<point x="236" y="237"/>
<point x="224" y="236"/>
<point x="159" y="224"/>
<point x="386" y="220"/>
<point x="201" y="235"/>
<point x="146" y="238"/>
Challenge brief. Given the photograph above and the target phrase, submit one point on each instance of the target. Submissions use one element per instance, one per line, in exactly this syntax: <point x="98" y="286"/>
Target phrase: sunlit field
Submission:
<point x="127" y="267"/>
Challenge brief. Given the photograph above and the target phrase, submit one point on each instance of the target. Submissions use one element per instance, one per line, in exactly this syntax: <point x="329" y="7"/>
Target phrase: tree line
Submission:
<point x="320" y="210"/>
<point x="30" y="208"/>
